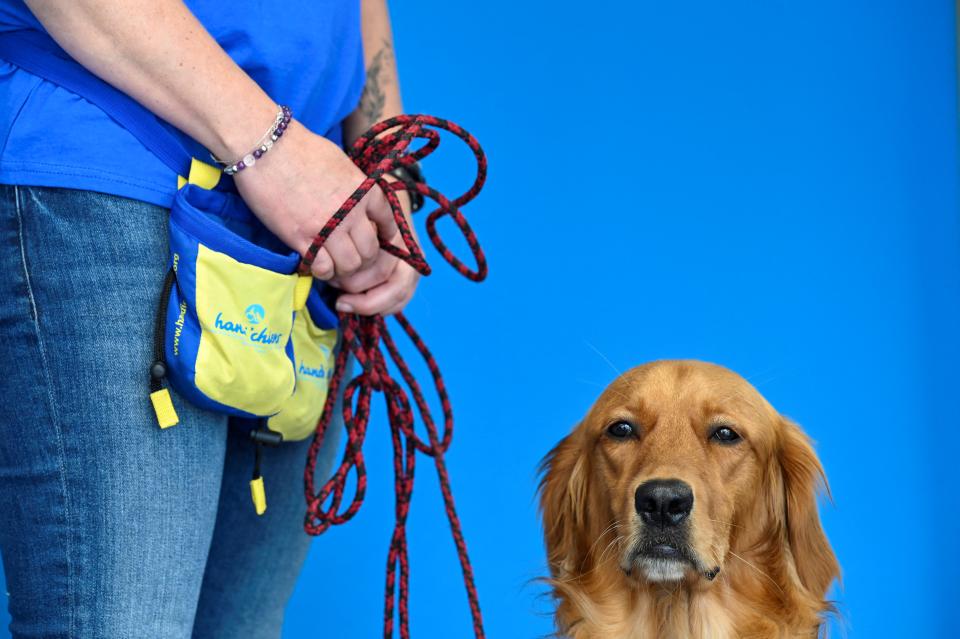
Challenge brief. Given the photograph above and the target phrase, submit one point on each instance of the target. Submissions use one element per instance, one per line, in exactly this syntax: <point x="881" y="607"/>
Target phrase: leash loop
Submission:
<point x="384" y="147"/>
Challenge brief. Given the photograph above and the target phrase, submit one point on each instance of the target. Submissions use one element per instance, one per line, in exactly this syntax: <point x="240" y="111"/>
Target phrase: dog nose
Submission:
<point x="664" y="502"/>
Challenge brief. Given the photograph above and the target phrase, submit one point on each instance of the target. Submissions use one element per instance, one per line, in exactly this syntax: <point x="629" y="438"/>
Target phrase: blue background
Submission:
<point x="768" y="185"/>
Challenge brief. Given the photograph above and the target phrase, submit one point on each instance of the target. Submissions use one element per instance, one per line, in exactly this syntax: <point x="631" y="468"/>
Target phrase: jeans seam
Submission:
<point x="57" y="427"/>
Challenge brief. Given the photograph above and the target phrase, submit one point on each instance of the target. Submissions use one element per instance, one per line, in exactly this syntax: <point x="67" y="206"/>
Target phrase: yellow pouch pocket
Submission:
<point x="246" y="317"/>
<point x="313" y="350"/>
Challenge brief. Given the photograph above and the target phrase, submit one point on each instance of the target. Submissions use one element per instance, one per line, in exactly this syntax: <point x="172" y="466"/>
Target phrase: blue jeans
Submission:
<point x="109" y="526"/>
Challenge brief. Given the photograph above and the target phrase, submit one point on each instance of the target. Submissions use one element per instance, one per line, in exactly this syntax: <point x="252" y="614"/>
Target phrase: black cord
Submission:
<point x="158" y="369"/>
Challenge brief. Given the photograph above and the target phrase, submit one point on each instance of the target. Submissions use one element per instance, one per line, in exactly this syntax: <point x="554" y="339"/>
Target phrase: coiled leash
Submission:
<point x="380" y="150"/>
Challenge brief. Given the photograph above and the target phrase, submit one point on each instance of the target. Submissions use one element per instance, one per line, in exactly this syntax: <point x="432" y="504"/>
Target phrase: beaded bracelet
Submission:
<point x="274" y="133"/>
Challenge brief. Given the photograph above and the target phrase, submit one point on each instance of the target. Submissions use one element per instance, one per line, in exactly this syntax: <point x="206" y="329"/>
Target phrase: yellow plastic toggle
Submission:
<point x="301" y="291"/>
<point x="163" y="407"/>
<point x="259" y="495"/>
<point x="204" y="175"/>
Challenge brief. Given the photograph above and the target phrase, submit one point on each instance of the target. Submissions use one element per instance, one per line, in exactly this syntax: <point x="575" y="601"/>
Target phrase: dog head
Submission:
<point x="679" y="468"/>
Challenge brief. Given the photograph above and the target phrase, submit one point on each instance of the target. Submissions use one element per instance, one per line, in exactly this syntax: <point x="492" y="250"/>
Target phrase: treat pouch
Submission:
<point x="230" y="315"/>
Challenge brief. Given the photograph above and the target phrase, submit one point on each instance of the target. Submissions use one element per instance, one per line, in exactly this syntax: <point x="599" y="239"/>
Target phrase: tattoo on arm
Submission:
<point x="378" y="75"/>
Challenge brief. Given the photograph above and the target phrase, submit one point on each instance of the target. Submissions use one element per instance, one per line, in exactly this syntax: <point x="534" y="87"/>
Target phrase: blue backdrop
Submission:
<point x="767" y="185"/>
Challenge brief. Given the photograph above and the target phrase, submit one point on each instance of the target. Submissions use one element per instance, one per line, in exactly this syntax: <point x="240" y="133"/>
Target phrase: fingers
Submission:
<point x="355" y="246"/>
<point x="409" y="279"/>
<point x="352" y="248"/>
<point x="322" y="267"/>
<point x="379" y="212"/>
<point x="375" y="275"/>
<point x="385" y="299"/>
<point x="346" y="257"/>
<point x="364" y="236"/>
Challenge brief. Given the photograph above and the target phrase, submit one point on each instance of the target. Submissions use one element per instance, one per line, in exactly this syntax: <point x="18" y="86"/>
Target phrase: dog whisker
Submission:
<point x="612" y="542"/>
<point x="753" y="377"/>
<point x="598" y="564"/>
<point x="615" y="524"/>
<point x="612" y="526"/>
<point x="758" y="571"/>
<point x="725" y="523"/>
<point x="604" y="357"/>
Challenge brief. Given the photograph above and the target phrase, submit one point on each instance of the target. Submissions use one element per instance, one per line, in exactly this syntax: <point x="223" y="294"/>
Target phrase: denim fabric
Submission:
<point x="109" y="526"/>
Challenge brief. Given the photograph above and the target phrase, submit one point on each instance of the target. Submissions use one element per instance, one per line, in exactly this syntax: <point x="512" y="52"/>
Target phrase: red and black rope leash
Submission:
<point x="381" y="149"/>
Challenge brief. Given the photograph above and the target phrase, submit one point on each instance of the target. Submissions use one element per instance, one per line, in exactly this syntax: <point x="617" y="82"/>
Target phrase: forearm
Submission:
<point x="157" y="52"/>
<point x="381" y="93"/>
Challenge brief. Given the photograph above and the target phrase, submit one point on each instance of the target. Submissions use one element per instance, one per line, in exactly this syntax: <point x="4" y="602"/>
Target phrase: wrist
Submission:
<point x="281" y="120"/>
<point x="289" y="157"/>
<point x="236" y="133"/>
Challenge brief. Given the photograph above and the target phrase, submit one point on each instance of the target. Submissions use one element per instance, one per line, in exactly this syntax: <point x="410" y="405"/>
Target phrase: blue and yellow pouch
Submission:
<point x="229" y="318"/>
<point x="238" y="330"/>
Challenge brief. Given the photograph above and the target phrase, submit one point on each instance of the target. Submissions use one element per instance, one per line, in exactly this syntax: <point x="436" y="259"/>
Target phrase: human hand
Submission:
<point x="387" y="286"/>
<point x="299" y="185"/>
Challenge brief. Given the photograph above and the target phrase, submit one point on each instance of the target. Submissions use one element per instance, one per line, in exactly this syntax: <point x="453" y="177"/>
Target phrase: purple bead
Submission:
<point x="257" y="153"/>
<point x="241" y="166"/>
<point x="279" y="133"/>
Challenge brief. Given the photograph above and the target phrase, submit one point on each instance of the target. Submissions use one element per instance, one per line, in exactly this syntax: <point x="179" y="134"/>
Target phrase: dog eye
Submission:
<point x="620" y="430"/>
<point x="725" y="435"/>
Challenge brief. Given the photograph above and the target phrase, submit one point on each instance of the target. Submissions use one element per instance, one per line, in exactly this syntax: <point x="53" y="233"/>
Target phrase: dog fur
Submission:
<point x="756" y="563"/>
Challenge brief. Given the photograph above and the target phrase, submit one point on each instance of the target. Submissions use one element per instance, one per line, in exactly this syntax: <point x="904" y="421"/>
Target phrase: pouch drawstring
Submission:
<point x="159" y="395"/>
<point x="261" y="436"/>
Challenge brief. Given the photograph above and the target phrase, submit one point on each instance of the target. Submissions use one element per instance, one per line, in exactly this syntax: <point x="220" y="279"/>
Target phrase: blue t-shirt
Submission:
<point x="304" y="53"/>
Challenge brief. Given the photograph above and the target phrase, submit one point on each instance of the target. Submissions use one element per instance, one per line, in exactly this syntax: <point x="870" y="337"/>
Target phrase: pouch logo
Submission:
<point x="317" y="373"/>
<point x="178" y="330"/>
<point x="255" y="314"/>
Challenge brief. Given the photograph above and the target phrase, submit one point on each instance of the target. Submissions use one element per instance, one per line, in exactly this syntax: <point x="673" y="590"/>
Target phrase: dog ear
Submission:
<point x="803" y="479"/>
<point x="563" y="498"/>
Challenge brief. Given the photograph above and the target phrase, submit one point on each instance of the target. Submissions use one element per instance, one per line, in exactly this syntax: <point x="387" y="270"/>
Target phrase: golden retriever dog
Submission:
<point x="684" y="507"/>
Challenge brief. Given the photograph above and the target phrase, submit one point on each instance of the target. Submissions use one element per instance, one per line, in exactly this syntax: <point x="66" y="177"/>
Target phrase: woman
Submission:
<point x="110" y="527"/>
